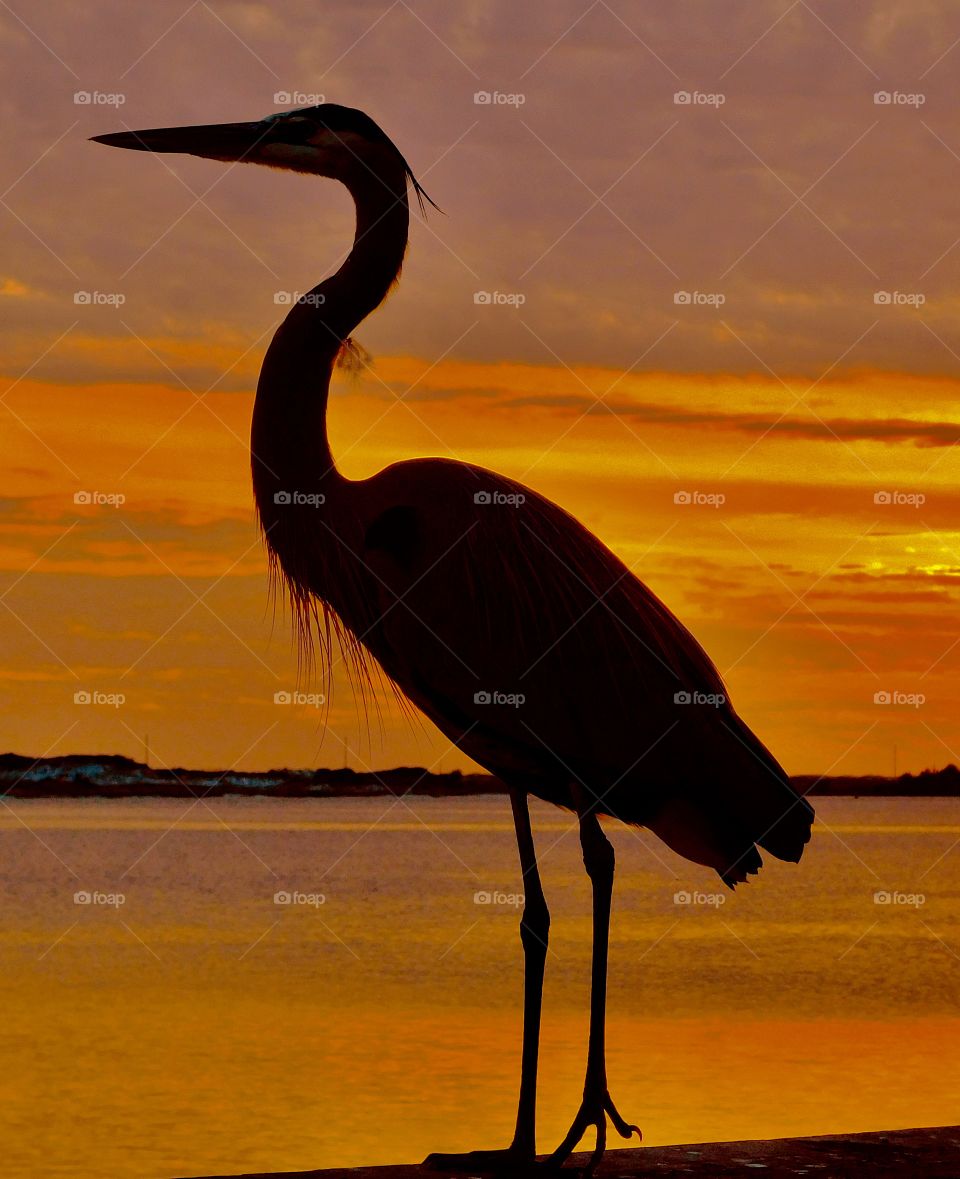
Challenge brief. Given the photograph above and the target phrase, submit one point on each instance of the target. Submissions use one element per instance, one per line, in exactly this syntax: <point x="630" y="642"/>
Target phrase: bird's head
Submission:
<point x="327" y="140"/>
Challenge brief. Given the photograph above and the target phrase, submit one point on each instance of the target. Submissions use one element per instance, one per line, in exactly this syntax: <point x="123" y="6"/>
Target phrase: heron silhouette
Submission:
<point x="525" y="640"/>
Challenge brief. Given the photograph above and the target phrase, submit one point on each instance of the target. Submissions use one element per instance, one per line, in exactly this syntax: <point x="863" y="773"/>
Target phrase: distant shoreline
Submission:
<point x="114" y="776"/>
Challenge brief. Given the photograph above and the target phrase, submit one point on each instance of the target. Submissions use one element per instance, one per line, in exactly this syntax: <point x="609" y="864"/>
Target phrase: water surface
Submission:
<point x="200" y="1027"/>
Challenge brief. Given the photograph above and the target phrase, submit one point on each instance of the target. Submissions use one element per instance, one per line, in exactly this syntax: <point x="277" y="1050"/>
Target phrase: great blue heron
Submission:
<point x="517" y="632"/>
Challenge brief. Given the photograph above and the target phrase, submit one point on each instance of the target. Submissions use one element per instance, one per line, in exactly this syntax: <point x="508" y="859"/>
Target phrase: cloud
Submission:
<point x="691" y="198"/>
<point x="810" y="428"/>
<point x="12" y="288"/>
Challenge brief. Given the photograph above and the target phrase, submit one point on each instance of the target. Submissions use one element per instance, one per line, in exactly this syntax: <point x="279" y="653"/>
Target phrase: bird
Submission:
<point x="528" y="643"/>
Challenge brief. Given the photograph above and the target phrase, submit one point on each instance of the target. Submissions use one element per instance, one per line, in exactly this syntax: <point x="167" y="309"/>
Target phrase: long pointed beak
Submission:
<point x="215" y="141"/>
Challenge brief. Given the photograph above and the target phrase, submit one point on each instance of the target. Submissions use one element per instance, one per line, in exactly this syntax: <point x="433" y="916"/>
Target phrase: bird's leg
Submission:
<point x="534" y="932"/>
<point x="598" y="859"/>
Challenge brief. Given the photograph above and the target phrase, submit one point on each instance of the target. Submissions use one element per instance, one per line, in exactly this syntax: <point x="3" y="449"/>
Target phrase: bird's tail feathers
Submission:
<point x="746" y="804"/>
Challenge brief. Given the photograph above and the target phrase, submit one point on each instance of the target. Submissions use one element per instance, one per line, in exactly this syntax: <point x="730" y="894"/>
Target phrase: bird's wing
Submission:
<point x="532" y="645"/>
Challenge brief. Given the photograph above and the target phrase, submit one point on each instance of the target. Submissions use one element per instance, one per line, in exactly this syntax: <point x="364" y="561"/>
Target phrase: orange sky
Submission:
<point x="800" y="398"/>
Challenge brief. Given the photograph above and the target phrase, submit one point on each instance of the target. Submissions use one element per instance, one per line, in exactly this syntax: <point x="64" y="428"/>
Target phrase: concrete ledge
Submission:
<point x="894" y="1154"/>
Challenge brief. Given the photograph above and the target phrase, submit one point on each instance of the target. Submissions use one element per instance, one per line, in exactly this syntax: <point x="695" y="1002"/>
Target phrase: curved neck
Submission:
<point x="289" y="446"/>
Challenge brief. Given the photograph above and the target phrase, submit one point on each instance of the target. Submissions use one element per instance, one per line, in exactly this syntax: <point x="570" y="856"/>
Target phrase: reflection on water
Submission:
<point x="200" y="1027"/>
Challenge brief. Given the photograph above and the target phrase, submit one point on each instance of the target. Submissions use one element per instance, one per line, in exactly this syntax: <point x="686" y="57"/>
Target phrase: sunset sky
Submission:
<point x="749" y="297"/>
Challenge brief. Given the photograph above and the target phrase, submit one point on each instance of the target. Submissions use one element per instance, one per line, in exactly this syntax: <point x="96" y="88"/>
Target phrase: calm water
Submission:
<point x="199" y="1027"/>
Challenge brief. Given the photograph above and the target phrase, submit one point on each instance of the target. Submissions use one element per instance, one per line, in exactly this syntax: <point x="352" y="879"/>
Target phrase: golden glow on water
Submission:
<point x="232" y="1089"/>
<point x="120" y="823"/>
<point x="69" y="818"/>
<point x="201" y="1028"/>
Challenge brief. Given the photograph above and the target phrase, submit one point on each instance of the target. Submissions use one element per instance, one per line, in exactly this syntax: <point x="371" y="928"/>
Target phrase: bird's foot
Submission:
<point x="594" y="1110"/>
<point x="510" y="1162"/>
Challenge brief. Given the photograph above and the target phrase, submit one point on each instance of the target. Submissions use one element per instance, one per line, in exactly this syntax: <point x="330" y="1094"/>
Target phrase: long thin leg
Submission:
<point x="598" y="859"/>
<point x="534" y="932"/>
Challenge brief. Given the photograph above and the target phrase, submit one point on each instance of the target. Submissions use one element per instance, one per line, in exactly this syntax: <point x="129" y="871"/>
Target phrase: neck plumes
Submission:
<point x="290" y="451"/>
